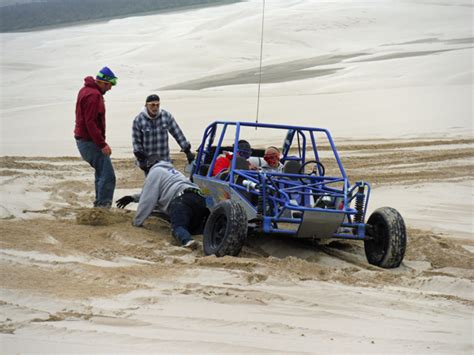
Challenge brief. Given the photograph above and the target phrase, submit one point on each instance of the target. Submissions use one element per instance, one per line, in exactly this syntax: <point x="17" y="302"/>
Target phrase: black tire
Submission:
<point x="387" y="240"/>
<point x="225" y="230"/>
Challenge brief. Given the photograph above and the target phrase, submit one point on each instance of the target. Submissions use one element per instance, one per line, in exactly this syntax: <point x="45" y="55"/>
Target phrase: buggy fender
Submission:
<point x="216" y="191"/>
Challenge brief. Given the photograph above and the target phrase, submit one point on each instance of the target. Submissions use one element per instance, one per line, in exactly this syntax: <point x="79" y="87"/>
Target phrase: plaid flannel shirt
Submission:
<point x="150" y="136"/>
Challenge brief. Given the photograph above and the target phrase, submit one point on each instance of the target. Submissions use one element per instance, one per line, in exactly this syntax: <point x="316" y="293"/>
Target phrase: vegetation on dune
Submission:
<point x="31" y="15"/>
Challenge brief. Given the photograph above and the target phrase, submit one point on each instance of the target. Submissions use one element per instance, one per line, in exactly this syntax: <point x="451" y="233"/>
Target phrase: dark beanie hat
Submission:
<point x="152" y="98"/>
<point x="243" y="144"/>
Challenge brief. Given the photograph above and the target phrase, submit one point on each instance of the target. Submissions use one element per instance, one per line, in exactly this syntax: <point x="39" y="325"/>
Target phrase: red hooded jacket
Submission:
<point x="90" y="113"/>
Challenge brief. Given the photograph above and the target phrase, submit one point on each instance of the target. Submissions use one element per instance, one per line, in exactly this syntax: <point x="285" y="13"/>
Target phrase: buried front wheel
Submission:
<point x="225" y="230"/>
<point x="387" y="238"/>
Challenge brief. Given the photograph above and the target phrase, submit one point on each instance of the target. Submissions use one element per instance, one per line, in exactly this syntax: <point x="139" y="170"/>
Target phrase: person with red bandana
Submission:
<point x="272" y="159"/>
<point x="89" y="133"/>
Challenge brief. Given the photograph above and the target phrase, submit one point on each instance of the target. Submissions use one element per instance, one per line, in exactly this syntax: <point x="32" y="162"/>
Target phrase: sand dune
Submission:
<point x="391" y="82"/>
<point x="390" y="71"/>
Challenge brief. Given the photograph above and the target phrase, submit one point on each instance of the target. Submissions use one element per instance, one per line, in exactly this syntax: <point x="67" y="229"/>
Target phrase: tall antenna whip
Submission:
<point x="261" y="57"/>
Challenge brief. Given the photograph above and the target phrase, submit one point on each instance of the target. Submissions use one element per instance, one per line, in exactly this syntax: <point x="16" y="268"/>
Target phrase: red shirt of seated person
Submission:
<point x="244" y="150"/>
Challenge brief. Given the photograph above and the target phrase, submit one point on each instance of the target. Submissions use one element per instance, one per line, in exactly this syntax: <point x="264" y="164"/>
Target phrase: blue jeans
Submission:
<point x="188" y="213"/>
<point x="104" y="172"/>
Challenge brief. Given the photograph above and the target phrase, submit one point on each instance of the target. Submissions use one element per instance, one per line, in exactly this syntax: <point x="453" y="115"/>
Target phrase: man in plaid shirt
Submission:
<point x="150" y="134"/>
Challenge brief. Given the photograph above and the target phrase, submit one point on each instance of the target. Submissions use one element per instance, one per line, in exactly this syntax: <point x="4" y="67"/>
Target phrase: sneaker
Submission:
<point x="190" y="244"/>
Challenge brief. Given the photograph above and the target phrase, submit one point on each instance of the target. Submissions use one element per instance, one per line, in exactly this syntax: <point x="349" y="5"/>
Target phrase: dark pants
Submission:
<point x="188" y="214"/>
<point x="104" y="172"/>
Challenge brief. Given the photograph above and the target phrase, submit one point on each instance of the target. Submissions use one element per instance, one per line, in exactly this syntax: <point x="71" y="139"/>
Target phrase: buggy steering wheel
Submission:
<point x="314" y="170"/>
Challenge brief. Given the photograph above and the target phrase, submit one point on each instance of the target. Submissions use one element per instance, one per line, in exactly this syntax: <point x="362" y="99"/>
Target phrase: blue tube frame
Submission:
<point x="286" y="189"/>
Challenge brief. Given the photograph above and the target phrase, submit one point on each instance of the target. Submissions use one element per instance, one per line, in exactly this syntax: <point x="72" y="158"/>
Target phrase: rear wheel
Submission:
<point x="387" y="239"/>
<point x="225" y="230"/>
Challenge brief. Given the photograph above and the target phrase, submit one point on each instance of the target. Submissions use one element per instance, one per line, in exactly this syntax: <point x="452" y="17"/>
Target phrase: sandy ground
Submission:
<point x="76" y="279"/>
<point x="391" y="80"/>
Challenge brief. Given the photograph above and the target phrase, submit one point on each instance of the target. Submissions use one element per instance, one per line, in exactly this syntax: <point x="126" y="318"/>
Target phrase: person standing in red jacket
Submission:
<point x="89" y="133"/>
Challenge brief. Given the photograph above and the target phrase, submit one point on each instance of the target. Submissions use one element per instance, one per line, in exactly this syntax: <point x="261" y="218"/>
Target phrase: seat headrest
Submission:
<point x="292" y="167"/>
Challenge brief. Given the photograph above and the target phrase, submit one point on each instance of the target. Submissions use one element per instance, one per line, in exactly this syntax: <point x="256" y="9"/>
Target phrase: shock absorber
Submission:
<point x="259" y="222"/>
<point x="359" y="204"/>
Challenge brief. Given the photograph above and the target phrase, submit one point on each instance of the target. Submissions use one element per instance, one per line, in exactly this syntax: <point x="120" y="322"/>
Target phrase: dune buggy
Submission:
<point x="309" y="197"/>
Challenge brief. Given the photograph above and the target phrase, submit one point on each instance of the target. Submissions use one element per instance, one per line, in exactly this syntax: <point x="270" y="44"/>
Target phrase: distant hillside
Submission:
<point x="28" y="15"/>
<point x="13" y="2"/>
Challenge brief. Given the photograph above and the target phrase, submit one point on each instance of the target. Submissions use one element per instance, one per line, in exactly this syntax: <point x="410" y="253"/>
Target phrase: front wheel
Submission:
<point x="387" y="238"/>
<point x="225" y="230"/>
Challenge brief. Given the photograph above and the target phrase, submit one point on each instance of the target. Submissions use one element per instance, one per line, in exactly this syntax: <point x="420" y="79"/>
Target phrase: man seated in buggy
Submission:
<point x="223" y="163"/>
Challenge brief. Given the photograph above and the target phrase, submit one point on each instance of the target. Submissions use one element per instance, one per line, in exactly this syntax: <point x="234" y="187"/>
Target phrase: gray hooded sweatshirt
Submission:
<point x="162" y="184"/>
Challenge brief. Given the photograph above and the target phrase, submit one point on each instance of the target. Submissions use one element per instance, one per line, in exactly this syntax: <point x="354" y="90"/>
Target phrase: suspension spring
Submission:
<point x="359" y="205"/>
<point x="259" y="221"/>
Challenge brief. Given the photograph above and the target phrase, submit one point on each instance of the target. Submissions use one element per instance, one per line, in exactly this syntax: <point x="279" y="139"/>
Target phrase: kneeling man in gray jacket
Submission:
<point x="172" y="193"/>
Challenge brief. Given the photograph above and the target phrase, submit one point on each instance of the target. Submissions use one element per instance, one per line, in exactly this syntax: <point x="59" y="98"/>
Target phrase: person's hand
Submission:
<point x="141" y="156"/>
<point x="142" y="165"/>
<point x="106" y="150"/>
<point x="190" y="155"/>
<point x="124" y="201"/>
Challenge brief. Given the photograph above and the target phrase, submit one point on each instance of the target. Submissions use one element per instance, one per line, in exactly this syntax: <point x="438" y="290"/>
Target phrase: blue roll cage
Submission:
<point x="278" y="192"/>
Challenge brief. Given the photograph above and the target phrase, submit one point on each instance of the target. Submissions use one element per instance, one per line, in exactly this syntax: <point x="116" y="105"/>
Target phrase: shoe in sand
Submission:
<point x="191" y="244"/>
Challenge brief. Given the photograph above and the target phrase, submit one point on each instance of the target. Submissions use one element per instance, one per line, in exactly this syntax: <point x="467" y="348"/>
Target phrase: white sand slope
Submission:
<point x="388" y="69"/>
<point x="221" y="314"/>
<point x="392" y="81"/>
